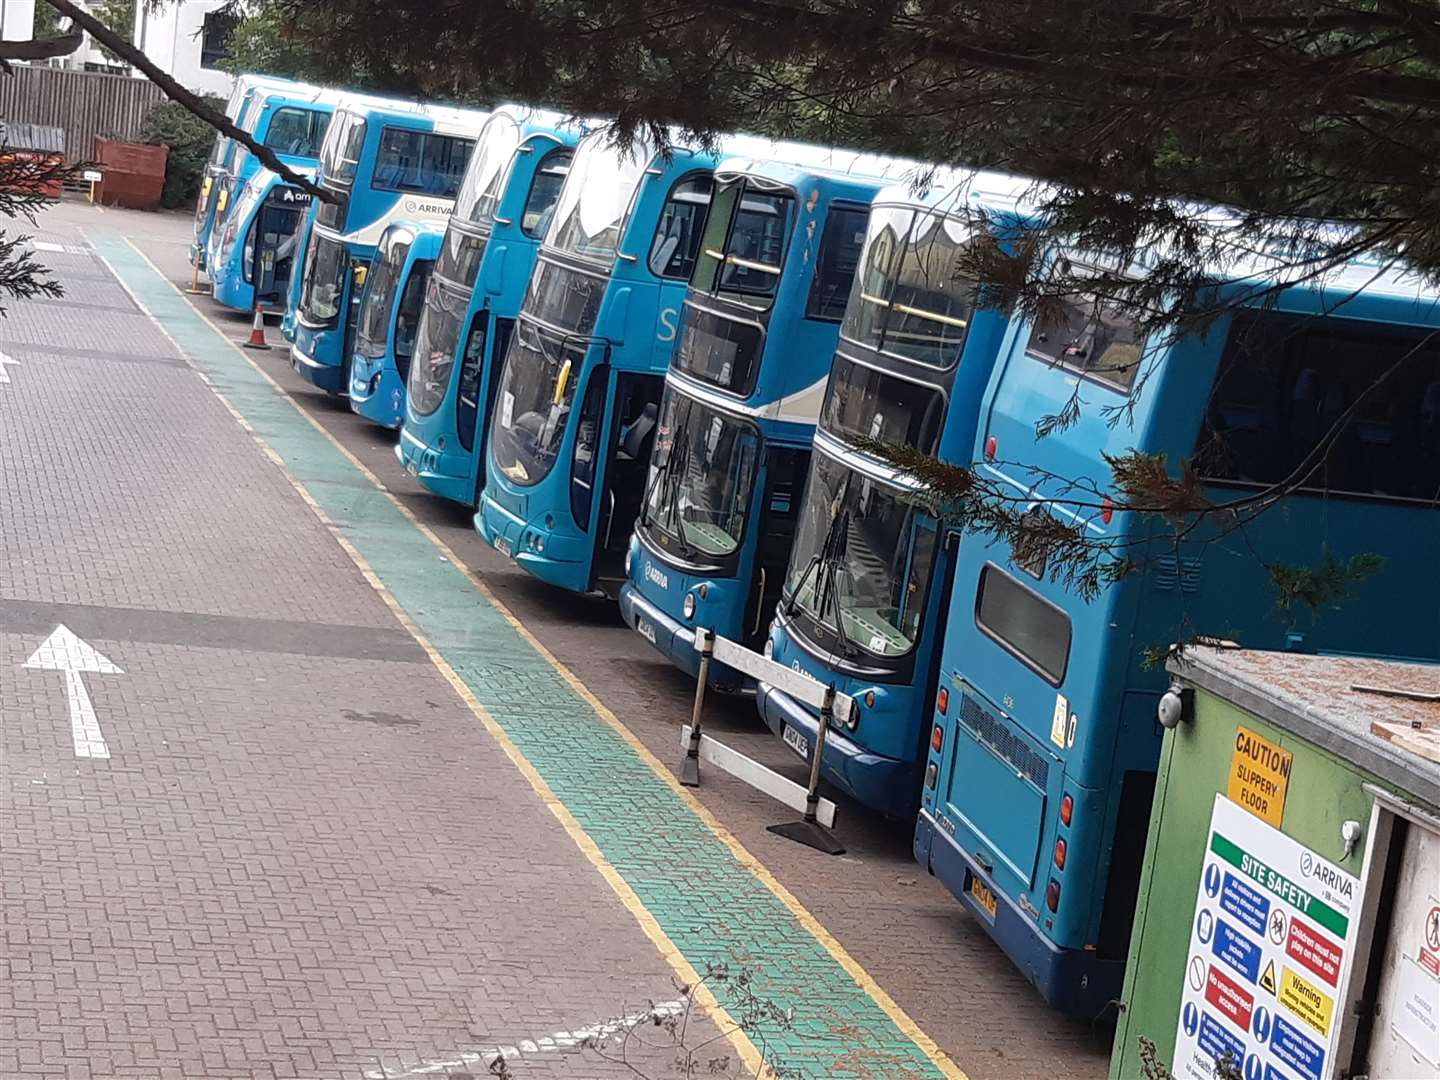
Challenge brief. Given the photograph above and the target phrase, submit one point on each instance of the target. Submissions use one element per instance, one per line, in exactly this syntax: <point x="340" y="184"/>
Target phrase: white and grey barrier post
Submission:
<point x="690" y="767"/>
<point x="813" y="829"/>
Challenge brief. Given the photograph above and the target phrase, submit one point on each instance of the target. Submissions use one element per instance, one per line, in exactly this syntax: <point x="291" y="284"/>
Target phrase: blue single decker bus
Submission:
<point x="1044" y="742"/>
<point x="757" y="335"/>
<point x="501" y="214"/>
<point x="867" y="583"/>
<point x="389" y="319"/>
<point x="578" y="400"/>
<point x="381" y="162"/>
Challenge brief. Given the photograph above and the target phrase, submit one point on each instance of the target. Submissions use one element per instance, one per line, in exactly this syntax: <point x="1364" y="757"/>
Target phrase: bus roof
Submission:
<point x="528" y="114"/>
<point x="791" y="161"/>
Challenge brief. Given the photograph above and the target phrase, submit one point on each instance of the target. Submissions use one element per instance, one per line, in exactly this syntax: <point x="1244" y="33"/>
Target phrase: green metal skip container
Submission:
<point x="1289" y="915"/>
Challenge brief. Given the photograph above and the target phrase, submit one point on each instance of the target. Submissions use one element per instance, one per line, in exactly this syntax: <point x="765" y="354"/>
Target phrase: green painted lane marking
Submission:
<point x="711" y="906"/>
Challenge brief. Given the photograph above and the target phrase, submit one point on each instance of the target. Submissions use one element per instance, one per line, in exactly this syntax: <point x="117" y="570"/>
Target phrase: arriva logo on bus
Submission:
<point x="425" y="206"/>
<point x="658" y="577"/>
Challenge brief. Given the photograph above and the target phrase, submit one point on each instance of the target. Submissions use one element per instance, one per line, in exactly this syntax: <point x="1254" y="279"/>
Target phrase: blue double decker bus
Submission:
<point x="757" y="336"/>
<point x="389" y="319"/>
<point x="381" y="162"/>
<point x="1044" y="737"/>
<point x="247" y="256"/>
<point x="223" y="154"/>
<point x="868" y="579"/>
<point x="577" y="405"/>
<point x="501" y="214"/>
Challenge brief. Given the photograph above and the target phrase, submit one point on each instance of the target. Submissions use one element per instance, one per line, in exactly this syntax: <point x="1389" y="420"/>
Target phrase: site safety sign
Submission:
<point x="1272" y="926"/>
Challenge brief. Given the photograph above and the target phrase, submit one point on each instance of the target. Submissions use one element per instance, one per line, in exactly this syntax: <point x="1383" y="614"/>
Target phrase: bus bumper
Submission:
<point x="234" y="292"/>
<point x="435" y="469"/>
<point x="564" y="562"/>
<point x="887" y="785"/>
<point x="328" y="377"/>
<point x="1075" y="981"/>
<point x="674" y="639"/>
<point x="376" y="391"/>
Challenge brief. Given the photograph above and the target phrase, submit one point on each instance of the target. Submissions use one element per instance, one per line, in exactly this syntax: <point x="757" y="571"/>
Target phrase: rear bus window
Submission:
<point x="1024" y="623"/>
<point x="1090" y="336"/>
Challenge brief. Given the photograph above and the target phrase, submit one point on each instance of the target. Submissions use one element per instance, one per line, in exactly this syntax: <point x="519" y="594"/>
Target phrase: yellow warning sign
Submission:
<point x="1307" y="1001"/>
<point x="1267" y="981"/>
<point x="1259" y="776"/>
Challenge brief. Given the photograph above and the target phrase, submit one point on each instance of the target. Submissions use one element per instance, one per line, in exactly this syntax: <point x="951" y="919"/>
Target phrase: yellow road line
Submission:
<point x="902" y="1020"/>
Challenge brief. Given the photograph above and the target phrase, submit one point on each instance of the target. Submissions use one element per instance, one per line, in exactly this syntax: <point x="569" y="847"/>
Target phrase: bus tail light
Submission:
<point x="937" y="738"/>
<point x="1060" y="854"/>
<point x="1067" y="810"/>
<point x="1052" y="895"/>
<point x="1107" y="510"/>
<point x="942" y="702"/>
<point x="992" y="447"/>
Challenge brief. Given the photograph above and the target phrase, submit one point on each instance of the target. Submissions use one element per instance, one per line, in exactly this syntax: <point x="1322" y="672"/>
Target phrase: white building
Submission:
<point x="17" y="18"/>
<point x="186" y="39"/>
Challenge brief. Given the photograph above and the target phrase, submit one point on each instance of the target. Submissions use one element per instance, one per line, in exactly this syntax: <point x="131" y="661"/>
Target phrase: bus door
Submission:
<point x="276" y="231"/>
<point x="780" y="490"/>
<point x="622" y="470"/>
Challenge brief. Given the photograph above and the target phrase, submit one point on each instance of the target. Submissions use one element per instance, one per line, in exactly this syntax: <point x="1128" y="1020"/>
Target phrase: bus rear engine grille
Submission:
<point x="1008" y="746"/>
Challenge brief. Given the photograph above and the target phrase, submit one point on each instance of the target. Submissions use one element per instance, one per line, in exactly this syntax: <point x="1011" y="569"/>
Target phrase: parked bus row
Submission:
<point x="651" y="372"/>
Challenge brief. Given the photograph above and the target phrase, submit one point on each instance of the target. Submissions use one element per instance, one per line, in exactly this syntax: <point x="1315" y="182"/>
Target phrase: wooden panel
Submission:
<point x="83" y="104"/>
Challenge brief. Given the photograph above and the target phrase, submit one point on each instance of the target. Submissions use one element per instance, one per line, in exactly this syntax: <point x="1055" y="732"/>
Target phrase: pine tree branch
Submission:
<point x="190" y="101"/>
<point x="41" y="48"/>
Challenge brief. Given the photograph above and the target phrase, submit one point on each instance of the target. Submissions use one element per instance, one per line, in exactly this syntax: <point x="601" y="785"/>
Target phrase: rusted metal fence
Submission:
<point x="82" y="103"/>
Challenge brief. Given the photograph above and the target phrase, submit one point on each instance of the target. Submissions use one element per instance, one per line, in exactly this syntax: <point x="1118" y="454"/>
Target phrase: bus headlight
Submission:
<point x="688" y="607"/>
<point x="629" y="558"/>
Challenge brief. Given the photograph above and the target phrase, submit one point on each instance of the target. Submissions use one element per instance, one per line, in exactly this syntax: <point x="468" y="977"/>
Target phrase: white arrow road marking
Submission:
<point x="6" y="359"/>
<point x="63" y="651"/>
<point x="557" y="1040"/>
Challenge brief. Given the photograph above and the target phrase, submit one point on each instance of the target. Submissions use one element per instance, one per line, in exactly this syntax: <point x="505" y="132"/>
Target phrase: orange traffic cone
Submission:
<point x="257" y="330"/>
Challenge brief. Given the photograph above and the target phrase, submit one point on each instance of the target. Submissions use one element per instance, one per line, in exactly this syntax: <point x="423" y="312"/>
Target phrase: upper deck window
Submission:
<point x="742" y="254"/>
<point x="424" y="162"/>
<point x="482" y="186"/>
<point x="1089" y="335"/>
<point x="340" y="152"/>
<point x="1285" y="381"/>
<point x="677" y="236"/>
<point x="912" y="298"/>
<point x="297" y="132"/>
<point x="545" y="192"/>
<point x="595" y="201"/>
<point x="840" y="248"/>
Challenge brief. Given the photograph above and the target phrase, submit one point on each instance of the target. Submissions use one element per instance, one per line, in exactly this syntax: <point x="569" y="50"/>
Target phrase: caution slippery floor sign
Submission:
<point x="1273" y="924"/>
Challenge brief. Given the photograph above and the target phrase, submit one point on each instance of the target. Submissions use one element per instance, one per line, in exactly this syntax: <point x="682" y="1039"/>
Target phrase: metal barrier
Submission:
<point x="813" y="829"/>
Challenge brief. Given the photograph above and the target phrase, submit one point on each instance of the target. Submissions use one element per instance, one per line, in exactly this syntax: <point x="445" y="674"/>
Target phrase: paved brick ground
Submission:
<point x="304" y="857"/>
<point x="903" y="927"/>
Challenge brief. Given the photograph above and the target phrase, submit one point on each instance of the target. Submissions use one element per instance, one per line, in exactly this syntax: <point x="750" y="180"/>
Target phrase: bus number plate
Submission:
<point x="796" y="741"/>
<point x="982" y="895"/>
<point x="645" y="630"/>
<point x="503" y="546"/>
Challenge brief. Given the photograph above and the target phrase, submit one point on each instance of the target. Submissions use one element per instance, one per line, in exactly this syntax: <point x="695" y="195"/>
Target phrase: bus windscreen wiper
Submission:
<point x="821" y="558"/>
<point x="671" y="495"/>
<point x="831" y="568"/>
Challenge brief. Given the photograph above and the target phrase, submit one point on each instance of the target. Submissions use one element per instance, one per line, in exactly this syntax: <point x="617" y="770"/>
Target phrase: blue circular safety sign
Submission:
<point x="1191" y="1018"/>
<point x="1260" y="1024"/>
<point x="1212" y="880"/>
